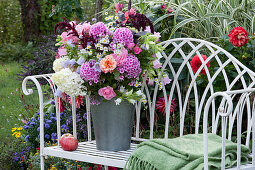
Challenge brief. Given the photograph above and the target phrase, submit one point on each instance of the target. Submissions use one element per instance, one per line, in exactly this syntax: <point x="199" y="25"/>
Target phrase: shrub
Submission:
<point x="44" y="55"/>
<point x="16" y="52"/>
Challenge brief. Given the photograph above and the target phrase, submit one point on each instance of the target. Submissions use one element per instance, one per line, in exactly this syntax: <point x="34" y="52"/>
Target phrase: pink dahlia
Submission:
<point x="98" y="29"/>
<point x="123" y="35"/>
<point x="89" y="73"/>
<point x="161" y="107"/>
<point x="131" y="68"/>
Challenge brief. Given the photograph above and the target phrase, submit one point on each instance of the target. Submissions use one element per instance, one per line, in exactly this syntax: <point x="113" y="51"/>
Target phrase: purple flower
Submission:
<point x="156" y="64"/>
<point x="48" y="121"/>
<point x="27" y="137"/>
<point x="81" y="61"/>
<point x="47" y="136"/>
<point x="58" y="93"/>
<point x="98" y="29"/>
<point x="47" y="126"/>
<point x="69" y="120"/>
<point x="25" y="127"/>
<point x="72" y="62"/>
<point x="89" y="73"/>
<point x="97" y="67"/>
<point x="70" y="43"/>
<point x="64" y="128"/>
<point x="123" y="35"/>
<point x="54" y="136"/>
<point x="78" y="70"/>
<point x="131" y="68"/>
<point x="166" y="80"/>
<point x="32" y="123"/>
<point x="38" y="129"/>
<point x="52" y="114"/>
<point x="94" y="19"/>
<point x="85" y="116"/>
<point x="53" y="118"/>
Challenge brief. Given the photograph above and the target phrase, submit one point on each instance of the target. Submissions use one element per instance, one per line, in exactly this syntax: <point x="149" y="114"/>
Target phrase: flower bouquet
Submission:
<point x="107" y="60"/>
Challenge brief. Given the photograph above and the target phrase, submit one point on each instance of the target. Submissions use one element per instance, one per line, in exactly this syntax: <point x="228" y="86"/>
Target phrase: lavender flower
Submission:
<point x="54" y="136"/>
<point x="47" y="126"/>
<point x="47" y="136"/>
<point x="25" y="127"/>
<point x="80" y="61"/>
<point x="27" y="137"/>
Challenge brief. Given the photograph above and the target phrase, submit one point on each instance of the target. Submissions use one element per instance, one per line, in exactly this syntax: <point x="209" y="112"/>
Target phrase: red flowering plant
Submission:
<point x="241" y="45"/>
<point x="107" y="60"/>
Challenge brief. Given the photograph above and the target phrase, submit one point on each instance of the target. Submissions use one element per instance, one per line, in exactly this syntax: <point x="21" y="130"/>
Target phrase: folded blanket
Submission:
<point x="184" y="153"/>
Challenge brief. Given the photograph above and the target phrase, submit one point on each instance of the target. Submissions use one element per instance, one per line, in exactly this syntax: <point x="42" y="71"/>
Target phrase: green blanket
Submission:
<point x="183" y="153"/>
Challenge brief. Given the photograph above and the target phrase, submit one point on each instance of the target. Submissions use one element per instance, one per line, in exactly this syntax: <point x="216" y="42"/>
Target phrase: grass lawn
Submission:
<point x="12" y="104"/>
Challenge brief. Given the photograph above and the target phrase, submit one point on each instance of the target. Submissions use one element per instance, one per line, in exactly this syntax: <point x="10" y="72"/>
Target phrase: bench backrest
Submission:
<point x="191" y="90"/>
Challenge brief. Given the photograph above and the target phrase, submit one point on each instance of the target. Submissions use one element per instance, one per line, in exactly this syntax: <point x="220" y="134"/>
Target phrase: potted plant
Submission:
<point x="108" y="61"/>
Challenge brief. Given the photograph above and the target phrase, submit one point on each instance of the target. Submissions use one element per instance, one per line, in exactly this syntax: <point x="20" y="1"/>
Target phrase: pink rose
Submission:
<point x="122" y="58"/>
<point x="156" y="64"/>
<point x="107" y="92"/>
<point x="137" y="50"/>
<point x="130" y="45"/>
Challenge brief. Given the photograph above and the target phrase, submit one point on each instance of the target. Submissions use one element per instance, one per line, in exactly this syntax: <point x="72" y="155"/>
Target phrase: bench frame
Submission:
<point x="226" y="110"/>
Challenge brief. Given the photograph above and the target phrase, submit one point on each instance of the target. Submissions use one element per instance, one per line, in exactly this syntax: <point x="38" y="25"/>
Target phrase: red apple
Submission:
<point x="68" y="142"/>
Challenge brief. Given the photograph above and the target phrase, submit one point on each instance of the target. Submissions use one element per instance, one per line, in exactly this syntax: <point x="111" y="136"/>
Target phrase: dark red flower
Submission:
<point x="161" y="107"/>
<point x="238" y="36"/>
<point x="78" y="101"/>
<point x="196" y="63"/>
<point x="163" y="6"/>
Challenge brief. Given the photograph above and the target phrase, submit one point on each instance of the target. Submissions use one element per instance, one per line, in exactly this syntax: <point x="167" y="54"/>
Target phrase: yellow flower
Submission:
<point x="14" y="133"/>
<point x="18" y="134"/>
<point x="20" y="128"/>
<point x="13" y="129"/>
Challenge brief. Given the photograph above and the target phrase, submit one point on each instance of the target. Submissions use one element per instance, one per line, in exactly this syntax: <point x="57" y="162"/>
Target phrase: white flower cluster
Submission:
<point x="159" y="83"/>
<point x="57" y="64"/>
<point x="69" y="82"/>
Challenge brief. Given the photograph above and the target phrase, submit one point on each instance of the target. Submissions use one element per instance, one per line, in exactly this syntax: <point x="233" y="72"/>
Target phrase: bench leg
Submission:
<point x="42" y="162"/>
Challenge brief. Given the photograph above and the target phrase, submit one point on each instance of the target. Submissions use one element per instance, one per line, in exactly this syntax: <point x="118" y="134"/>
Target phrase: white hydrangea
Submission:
<point x="69" y="82"/>
<point x="57" y="64"/>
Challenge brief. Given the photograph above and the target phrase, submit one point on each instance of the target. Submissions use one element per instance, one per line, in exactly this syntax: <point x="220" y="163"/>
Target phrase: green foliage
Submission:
<point x="67" y="8"/>
<point x="10" y="22"/>
<point x="17" y="52"/>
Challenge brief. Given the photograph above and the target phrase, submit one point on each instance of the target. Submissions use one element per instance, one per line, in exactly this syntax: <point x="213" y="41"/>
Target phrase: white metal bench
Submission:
<point x="226" y="112"/>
